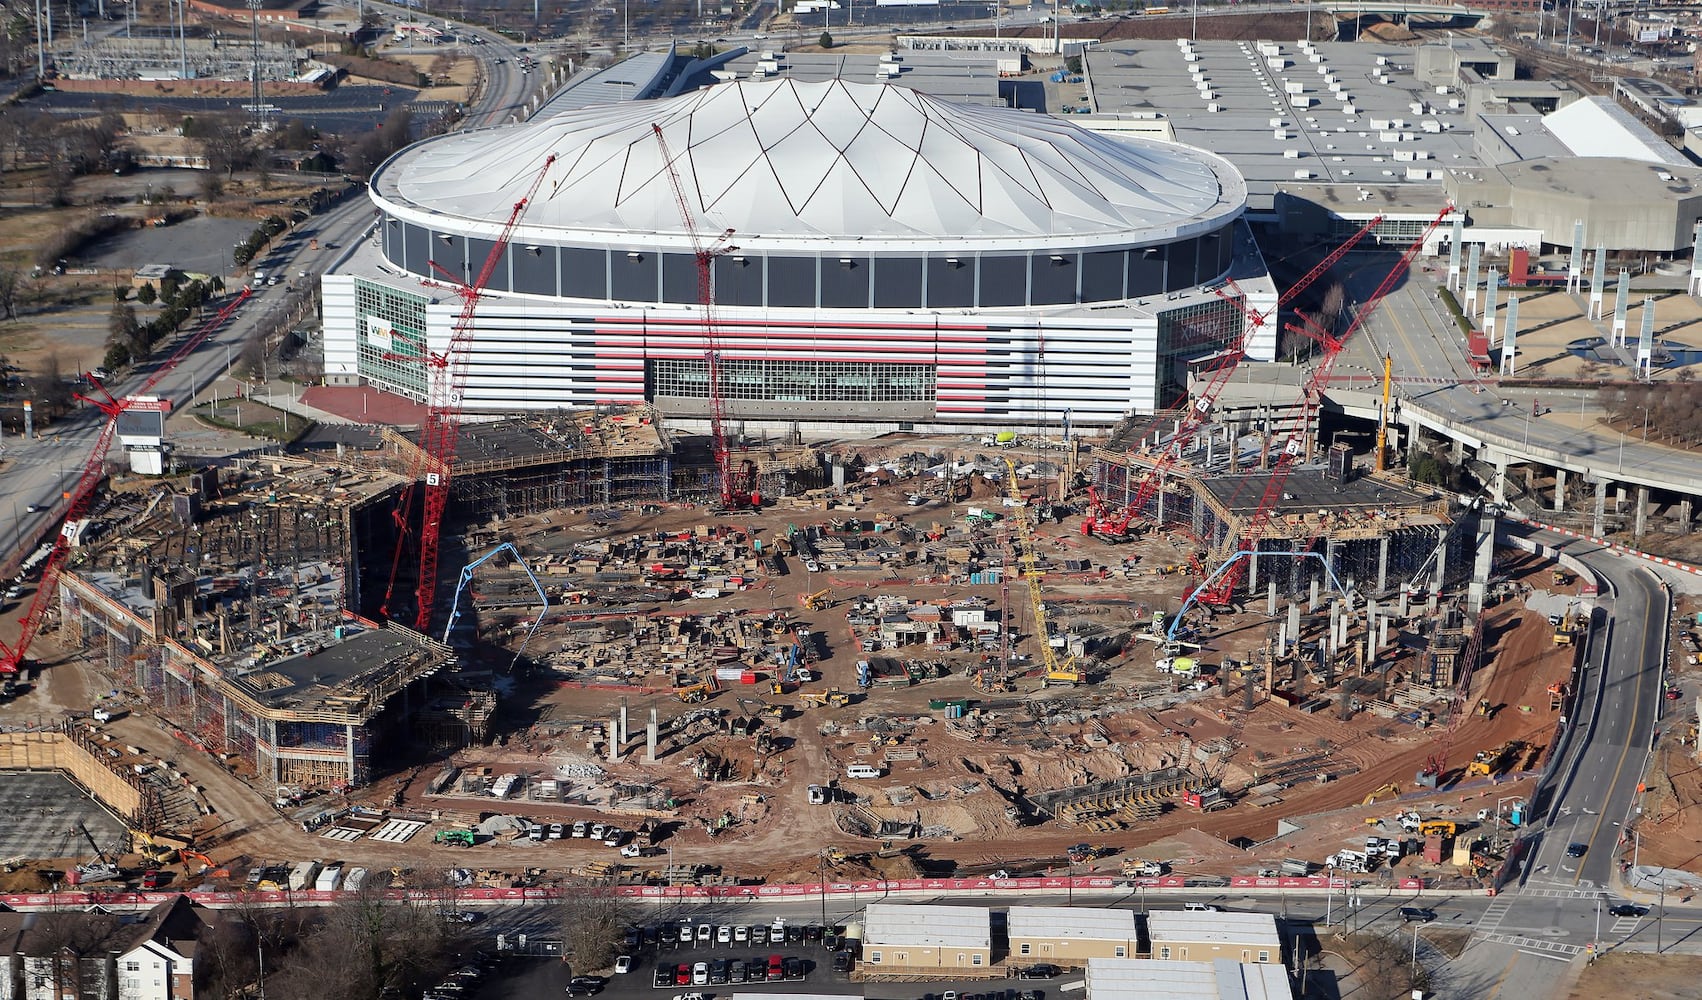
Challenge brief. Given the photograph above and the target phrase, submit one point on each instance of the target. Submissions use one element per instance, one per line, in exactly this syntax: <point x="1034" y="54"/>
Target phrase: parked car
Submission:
<point x="682" y="975"/>
<point x="741" y="934"/>
<point x="724" y="934"/>
<point x="664" y="976"/>
<point x="700" y="974"/>
<point x="585" y="986"/>
<point x="1041" y="971"/>
<point x="623" y="965"/>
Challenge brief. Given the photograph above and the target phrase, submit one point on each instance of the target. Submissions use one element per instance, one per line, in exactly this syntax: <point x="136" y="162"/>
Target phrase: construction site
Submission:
<point x="1188" y="644"/>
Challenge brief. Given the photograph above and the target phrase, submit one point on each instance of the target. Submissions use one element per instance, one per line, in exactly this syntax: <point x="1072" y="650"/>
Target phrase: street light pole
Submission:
<point x="1329" y="895"/>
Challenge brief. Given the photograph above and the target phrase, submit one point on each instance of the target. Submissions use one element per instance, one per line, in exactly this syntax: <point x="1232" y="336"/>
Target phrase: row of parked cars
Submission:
<point x="606" y="834"/>
<point x="722" y="971"/>
<point x="689" y="935"/>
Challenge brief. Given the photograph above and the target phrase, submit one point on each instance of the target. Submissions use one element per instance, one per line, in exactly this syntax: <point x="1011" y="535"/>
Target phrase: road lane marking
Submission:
<point x="1495" y="991"/>
<point x="1636" y="713"/>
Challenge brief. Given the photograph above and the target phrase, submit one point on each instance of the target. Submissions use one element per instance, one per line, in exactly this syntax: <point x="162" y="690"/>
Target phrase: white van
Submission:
<point x="863" y="771"/>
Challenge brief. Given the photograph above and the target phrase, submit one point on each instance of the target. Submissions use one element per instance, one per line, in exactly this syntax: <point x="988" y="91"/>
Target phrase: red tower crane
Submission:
<point x="81" y="495"/>
<point x="1221" y="591"/>
<point x="743" y="491"/>
<point x="1117" y="528"/>
<point x="446" y="384"/>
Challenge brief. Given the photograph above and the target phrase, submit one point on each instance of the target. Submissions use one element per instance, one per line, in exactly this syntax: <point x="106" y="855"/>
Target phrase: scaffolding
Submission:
<point x="121" y="58"/>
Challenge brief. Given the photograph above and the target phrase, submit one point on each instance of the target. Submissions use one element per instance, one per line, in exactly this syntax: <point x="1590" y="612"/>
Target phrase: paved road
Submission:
<point x="1436" y="385"/>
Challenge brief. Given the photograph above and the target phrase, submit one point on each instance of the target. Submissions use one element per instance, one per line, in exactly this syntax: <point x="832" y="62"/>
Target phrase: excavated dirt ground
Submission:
<point x="1128" y="722"/>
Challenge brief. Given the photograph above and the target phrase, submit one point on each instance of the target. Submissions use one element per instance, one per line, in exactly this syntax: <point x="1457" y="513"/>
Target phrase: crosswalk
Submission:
<point x="1494" y="914"/>
<point x="1624" y="926"/>
<point x="1556" y="948"/>
<point x="1561" y="893"/>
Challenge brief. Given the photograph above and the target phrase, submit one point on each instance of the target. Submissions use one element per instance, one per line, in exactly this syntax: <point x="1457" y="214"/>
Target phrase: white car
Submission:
<point x="723" y="934"/>
<point x="632" y="851"/>
<point x="700" y="974"/>
<point x="623" y="965"/>
<point x="742" y="934"/>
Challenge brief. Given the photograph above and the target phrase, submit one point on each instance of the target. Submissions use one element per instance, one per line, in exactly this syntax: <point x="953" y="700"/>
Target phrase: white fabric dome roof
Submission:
<point x="837" y="160"/>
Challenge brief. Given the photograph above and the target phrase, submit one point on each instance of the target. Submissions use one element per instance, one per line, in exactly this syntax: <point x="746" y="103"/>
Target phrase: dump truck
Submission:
<point x="834" y="697"/>
<point x="1138" y="868"/>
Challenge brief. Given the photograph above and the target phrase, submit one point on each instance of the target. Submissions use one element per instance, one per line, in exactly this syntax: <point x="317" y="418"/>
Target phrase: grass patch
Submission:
<point x="255" y="419"/>
<point x="1455" y="311"/>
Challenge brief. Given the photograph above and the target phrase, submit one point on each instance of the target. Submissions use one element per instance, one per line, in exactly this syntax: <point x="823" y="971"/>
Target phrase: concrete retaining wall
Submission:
<point x="55" y="750"/>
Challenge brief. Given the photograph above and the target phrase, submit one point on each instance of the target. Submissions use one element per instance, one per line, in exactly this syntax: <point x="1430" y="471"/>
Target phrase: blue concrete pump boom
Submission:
<point x="467" y="577"/>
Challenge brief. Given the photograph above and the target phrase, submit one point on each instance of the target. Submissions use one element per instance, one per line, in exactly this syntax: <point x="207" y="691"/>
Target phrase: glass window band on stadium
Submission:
<point x="963" y="280"/>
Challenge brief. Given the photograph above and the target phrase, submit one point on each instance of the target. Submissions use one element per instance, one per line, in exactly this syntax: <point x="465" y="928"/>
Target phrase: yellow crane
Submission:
<point x="1058" y="671"/>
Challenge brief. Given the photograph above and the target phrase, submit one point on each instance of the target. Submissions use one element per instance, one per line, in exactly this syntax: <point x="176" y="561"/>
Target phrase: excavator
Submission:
<point x="1386" y="791"/>
<point x="818" y="600"/>
<point x="208" y="869"/>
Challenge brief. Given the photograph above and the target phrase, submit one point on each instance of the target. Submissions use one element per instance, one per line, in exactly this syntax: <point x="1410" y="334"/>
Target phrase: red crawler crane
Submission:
<point x="81" y="495"/>
<point x="447" y="383"/>
<point x="734" y="492"/>
<point x="1117" y="528"/>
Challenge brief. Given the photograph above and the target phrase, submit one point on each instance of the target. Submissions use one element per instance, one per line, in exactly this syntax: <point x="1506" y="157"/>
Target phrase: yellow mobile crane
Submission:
<point x="1058" y="671"/>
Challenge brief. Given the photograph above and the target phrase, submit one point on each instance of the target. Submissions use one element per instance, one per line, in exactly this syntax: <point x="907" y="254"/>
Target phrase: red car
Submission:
<point x="151" y="879"/>
<point x="682" y="976"/>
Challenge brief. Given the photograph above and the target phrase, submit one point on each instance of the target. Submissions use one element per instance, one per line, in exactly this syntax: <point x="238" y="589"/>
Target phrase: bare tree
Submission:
<point x="11" y="289"/>
<point x="593" y="923"/>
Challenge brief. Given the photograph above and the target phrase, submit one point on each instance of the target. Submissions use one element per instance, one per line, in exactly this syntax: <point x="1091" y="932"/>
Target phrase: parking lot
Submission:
<point x="700" y="958"/>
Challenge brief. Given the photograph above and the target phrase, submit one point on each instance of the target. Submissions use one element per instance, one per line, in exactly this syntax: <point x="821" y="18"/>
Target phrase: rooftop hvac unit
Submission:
<point x="1441" y="90"/>
<point x="1279" y="123"/>
<point x="1270" y="49"/>
<point x="1291" y="154"/>
<point x="1379" y="124"/>
<point x="1182" y="43"/>
<point x="1276" y="62"/>
<point x="1349" y="109"/>
<point x="1433" y="127"/>
<point x="1382" y="60"/>
<point x="1453" y="104"/>
<point x="1206" y="95"/>
<point x="1301" y="101"/>
<point x="1403" y="156"/>
<point x="767" y="67"/>
<point x="887" y="69"/>
<point x="1303" y="175"/>
<point x="1294" y="88"/>
<point x="1279" y="134"/>
<point x="1190" y="57"/>
<point x="1315" y="57"/>
<point x="1212" y="109"/>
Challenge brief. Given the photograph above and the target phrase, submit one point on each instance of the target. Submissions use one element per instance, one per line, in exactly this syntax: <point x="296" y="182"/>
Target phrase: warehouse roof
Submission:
<point x="1150" y="979"/>
<point x="1085" y="924"/>
<point x="1213" y="927"/>
<point x="928" y="926"/>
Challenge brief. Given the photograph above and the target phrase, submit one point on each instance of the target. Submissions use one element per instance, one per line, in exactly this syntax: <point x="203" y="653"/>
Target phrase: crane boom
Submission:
<point x="1218" y="377"/>
<point x="731" y="494"/>
<point x="1309" y="399"/>
<point x="81" y="495"/>
<point x="441" y="432"/>
<point x="1057" y="670"/>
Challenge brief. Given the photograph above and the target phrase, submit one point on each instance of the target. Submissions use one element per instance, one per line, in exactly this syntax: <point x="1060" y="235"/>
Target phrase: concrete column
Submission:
<point x="1478" y="592"/>
<point x="652" y="731"/>
<point x="1294" y="620"/>
<point x="1370" y="643"/>
<point x="1684" y="511"/>
<point x="1314" y="605"/>
<point x="614" y="739"/>
<point x="1440" y="573"/>
<point x="1271" y="598"/>
<point x="626" y="734"/>
<point x="1403" y="602"/>
<point x="1160" y="521"/>
<point x="1252" y="570"/>
<point x="1458" y="450"/>
<point x="1601" y="507"/>
<point x="1622" y="497"/>
<point x="1500" y="491"/>
<point x="1282" y="639"/>
<point x="1382" y="564"/>
<point x="1559" y="490"/>
<point x="1642" y="522"/>
<point x="1383" y="632"/>
<point x="349" y="754"/>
